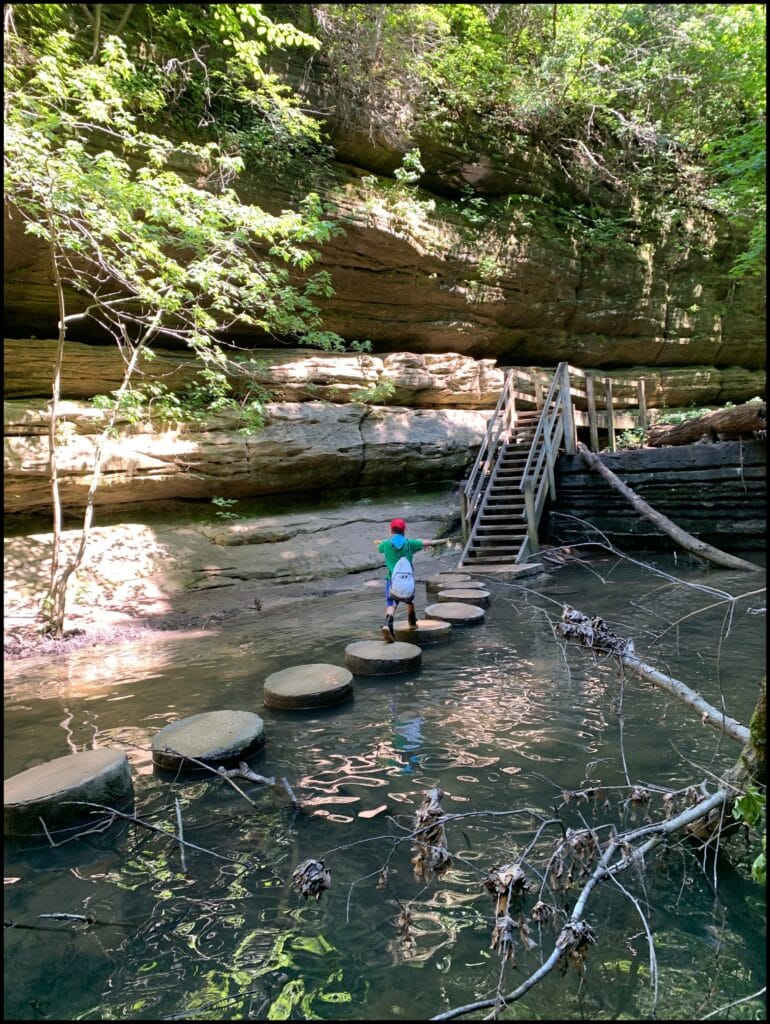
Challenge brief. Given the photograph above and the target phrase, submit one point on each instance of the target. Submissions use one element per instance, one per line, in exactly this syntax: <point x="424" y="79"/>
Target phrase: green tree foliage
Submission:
<point x="650" y="100"/>
<point x="144" y="228"/>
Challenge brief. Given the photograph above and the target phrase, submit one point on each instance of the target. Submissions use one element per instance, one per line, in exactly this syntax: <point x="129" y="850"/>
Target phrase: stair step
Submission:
<point x="488" y="538"/>
<point x="497" y="519"/>
<point x="476" y="563"/>
<point x="493" y="550"/>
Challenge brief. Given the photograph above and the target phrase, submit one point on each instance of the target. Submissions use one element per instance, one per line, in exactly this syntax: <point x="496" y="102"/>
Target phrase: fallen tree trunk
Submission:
<point x="709" y="714"/>
<point x="594" y="634"/>
<point x="684" y="539"/>
<point x="720" y="424"/>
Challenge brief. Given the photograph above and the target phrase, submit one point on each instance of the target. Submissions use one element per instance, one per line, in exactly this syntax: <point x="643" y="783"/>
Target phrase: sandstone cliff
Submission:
<point x="319" y="436"/>
<point x="411" y="275"/>
<point x="307" y="447"/>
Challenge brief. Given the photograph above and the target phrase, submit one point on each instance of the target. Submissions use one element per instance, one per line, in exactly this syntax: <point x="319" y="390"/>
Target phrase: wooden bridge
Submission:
<point x="536" y="417"/>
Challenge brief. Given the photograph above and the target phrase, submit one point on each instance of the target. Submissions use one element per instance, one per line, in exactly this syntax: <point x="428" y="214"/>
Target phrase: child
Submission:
<point x="397" y="546"/>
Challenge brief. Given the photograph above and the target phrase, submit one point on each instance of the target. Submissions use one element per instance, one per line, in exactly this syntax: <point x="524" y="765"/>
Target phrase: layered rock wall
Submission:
<point x="717" y="492"/>
<point x="409" y="274"/>
<point x="303" y="448"/>
<point x="413" y="379"/>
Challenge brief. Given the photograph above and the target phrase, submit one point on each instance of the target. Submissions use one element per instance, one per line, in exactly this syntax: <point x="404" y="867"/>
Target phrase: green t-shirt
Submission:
<point x="392" y="554"/>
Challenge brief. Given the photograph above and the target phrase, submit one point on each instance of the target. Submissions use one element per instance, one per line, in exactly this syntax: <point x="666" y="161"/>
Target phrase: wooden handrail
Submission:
<point x="570" y="389"/>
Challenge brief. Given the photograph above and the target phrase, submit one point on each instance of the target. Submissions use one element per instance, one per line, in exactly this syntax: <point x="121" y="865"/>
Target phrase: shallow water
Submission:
<point x="502" y="717"/>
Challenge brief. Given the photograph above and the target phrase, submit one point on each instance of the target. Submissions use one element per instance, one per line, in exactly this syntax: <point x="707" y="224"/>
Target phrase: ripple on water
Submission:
<point x="501" y="718"/>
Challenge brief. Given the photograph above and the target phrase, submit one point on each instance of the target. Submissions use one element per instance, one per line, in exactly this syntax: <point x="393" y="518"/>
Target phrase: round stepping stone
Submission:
<point x="214" y="736"/>
<point x="308" y="686"/>
<point x="457" y="613"/>
<point x="379" y="658"/>
<point x="445" y="579"/>
<point x="480" y="598"/>
<point x="429" y="631"/>
<point x="100" y="776"/>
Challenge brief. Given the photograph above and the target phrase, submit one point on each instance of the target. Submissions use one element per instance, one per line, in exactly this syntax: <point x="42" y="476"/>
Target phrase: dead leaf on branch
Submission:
<point x="431" y="856"/>
<point x="404" y="923"/>
<point x="502" y="937"/>
<point x="574" y="940"/>
<point x="525" y="934"/>
<point x="542" y="913"/>
<point x="311" y="878"/>
<point x="593" y="633"/>
<point x="504" y="883"/>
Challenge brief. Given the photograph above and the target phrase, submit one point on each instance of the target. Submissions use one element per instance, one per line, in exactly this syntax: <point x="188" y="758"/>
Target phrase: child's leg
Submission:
<point x="390" y="610"/>
<point x="412" y="614"/>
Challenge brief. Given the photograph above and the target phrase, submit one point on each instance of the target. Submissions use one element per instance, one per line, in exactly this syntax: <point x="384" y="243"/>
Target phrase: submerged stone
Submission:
<point x="429" y="631"/>
<point x="48" y="791"/>
<point x="379" y="658"/>
<point x="308" y="686"/>
<point x="480" y="598"/>
<point x="457" y="613"/>
<point x="443" y="580"/>
<point x="213" y="737"/>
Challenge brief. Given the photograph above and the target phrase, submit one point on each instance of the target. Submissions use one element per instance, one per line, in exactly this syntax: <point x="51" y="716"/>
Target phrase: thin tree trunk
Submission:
<point x="53" y="469"/>
<point x="57" y="596"/>
<point x="709" y="714"/>
<point x="684" y="539"/>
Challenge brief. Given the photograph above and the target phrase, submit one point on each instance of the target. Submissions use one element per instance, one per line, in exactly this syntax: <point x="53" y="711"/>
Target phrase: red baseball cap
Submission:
<point x="397" y="524"/>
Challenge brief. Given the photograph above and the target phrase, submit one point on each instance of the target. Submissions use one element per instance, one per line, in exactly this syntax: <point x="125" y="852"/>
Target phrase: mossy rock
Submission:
<point x="214" y="737"/>
<point x="457" y="613"/>
<point x="480" y="598"/>
<point x="444" y="580"/>
<point x="308" y="686"/>
<point x="379" y="658"/>
<point x="429" y="631"/>
<point x="48" y="791"/>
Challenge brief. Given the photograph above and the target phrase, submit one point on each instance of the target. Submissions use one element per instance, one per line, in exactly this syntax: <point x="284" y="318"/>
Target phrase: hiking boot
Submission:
<point x="387" y="636"/>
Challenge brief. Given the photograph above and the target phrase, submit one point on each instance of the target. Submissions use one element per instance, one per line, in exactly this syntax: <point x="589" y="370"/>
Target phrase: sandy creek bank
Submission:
<point x="184" y="575"/>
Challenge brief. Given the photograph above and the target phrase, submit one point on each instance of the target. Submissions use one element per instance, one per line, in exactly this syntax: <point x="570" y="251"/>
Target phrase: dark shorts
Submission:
<point x="395" y="600"/>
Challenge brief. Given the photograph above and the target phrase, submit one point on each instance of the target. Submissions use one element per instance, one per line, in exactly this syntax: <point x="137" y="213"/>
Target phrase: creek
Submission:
<point x="502" y="716"/>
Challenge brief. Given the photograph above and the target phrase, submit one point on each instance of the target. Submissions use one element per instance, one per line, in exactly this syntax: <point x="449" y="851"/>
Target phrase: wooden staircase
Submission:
<point x="500" y="529"/>
<point x="505" y="493"/>
<point x="506" y="490"/>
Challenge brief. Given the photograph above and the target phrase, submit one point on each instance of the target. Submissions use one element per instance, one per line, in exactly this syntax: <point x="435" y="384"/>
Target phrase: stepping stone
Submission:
<point x="429" y="631"/>
<point x="480" y="598"/>
<point x="457" y="613"/>
<point x="443" y="580"/>
<point x="213" y="737"/>
<point x="308" y="686"/>
<point x="379" y="658"/>
<point x="100" y="776"/>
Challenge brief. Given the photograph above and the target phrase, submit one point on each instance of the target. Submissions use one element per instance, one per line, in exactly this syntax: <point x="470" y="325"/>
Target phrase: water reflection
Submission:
<point x="501" y="717"/>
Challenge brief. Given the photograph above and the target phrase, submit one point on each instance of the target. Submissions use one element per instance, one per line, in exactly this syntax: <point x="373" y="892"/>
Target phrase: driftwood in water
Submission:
<point x="722" y="424"/>
<point x="684" y="539"/>
<point x="593" y="633"/>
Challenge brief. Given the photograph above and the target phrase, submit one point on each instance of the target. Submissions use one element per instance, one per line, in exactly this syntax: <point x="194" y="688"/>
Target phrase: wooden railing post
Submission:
<point x="610" y="414"/>
<point x="592" y="421"/>
<point x="529" y="504"/>
<point x="549" y="461"/>
<point x="464" y="514"/>
<point x="510" y="403"/>
<point x="642" y="404"/>
<point x="569" y="419"/>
